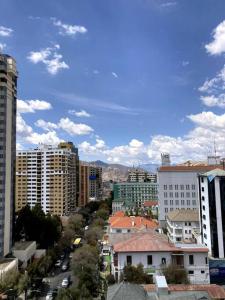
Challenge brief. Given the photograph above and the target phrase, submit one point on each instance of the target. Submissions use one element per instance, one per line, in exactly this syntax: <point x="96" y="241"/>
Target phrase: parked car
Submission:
<point x="65" y="266"/>
<point x="66" y="282"/>
<point x="51" y="294"/>
<point x="58" y="263"/>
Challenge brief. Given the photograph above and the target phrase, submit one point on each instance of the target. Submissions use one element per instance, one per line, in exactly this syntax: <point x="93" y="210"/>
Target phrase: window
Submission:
<point x="204" y="226"/>
<point x="193" y="187"/>
<point x="176" y="195"/>
<point x="176" y="187"/>
<point x="188" y="202"/>
<point x="177" y="202"/>
<point x="129" y="260"/>
<point x="193" y="194"/>
<point x="149" y="259"/>
<point x="191" y="259"/>
<point x="191" y="272"/>
<point x="182" y="194"/>
<point x="202" y="272"/>
<point x="202" y="179"/>
<point x="187" y="187"/>
<point x="182" y="187"/>
<point x="203" y="189"/>
<point x="182" y="202"/>
<point x="165" y="187"/>
<point x="165" y="202"/>
<point x="203" y="207"/>
<point x="188" y="194"/>
<point x="165" y="194"/>
<point x="171" y="194"/>
<point x="194" y="202"/>
<point x="204" y="217"/>
<point x="205" y="236"/>
<point x="163" y="261"/>
<point x="206" y="260"/>
<point x="166" y="210"/>
<point x="171" y="202"/>
<point x="170" y="187"/>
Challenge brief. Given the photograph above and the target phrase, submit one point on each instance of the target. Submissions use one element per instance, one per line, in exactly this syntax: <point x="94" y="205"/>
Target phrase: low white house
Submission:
<point x="7" y="265"/>
<point x="154" y="252"/>
<point x="180" y="225"/>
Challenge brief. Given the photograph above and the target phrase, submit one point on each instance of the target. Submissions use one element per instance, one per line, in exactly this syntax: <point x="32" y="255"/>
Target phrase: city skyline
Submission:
<point x="124" y="81"/>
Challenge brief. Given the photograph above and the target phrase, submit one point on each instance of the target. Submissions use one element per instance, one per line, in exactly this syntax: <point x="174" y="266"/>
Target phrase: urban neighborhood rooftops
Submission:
<point x="131" y="222"/>
<point x="198" y="168"/>
<point x="126" y="291"/>
<point x="183" y="215"/>
<point x="150" y="203"/>
<point x="155" y="242"/>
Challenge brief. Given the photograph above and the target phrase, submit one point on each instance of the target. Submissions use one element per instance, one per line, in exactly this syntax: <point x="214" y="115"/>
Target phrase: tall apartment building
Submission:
<point x="178" y="188"/>
<point x="212" y="211"/>
<point x="90" y="183"/>
<point x="8" y="97"/>
<point x="137" y="175"/>
<point x="133" y="195"/>
<point x="48" y="175"/>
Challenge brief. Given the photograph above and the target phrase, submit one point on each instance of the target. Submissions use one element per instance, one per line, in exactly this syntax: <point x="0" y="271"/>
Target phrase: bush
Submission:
<point x="136" y="275"/>
<point x="175" y="275"/>
<point x="110" y="279"/>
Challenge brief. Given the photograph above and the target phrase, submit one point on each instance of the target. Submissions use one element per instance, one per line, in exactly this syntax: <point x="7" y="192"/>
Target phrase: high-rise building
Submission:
<point x="178" y="188"/>
<point x="48" y="175"/>
<point x="137" y="175"/>
<point x="212" y="211"/>
<point x="8" y="97"/>
<point x="91" y="188"/>
<point x="133" y="194"/>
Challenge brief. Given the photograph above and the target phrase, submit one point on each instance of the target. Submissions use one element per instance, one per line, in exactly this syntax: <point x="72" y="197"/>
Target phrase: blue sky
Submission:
<point x="123" y="79"/>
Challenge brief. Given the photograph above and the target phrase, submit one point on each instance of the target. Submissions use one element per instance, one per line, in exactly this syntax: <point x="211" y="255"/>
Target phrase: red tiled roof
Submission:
<point x="150" y="203"/>
<point x="200" y="168"/>
<point x="131" y="222"/>
<point x="119" y="213"/>
<point x="214" y="291"/>
<point x="145" y="242"/>
<point x="152" y="241"/>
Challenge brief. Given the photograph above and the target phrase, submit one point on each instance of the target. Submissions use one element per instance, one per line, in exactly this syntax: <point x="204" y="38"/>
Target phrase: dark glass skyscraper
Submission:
<point x="8" y="97"/>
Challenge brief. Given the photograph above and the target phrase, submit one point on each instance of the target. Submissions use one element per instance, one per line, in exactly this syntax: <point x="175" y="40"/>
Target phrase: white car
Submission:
<point x="65" y="283"/>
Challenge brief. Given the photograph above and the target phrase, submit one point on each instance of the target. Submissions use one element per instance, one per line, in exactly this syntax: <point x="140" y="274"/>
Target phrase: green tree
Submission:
<point x="102" y="213"/>
<point x="136" y="275"/>
<point x="64" y="294"/>
<point x="93" y="234"/>
<point x="76" y="223"/>
<point x="175" y="274"/>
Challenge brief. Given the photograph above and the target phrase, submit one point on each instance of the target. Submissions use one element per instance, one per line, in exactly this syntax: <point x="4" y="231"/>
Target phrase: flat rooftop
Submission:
<point x="22" y="245"/>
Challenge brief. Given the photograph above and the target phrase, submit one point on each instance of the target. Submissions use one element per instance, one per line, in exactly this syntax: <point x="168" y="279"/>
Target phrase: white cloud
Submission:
<point x="96" y="72"/>
<point x="217" y="46"/>
<point x="214" y="101"/>
<point x="47" y="126"/>
<point x="209" y="120"/>
<point x="2" y="46"/>
<point x="114" y="75"/>
<point x="50" y="58"/>
<point x="74" y="128"/>
<point x="67" y="29"/>
<point x="22" y="128"/>
<point x="185" y="63"/>
<point x="30" y="106"/>
<point x="80" y="114"/>
<point x="49" y="138"/>
<point x="168" y="4"/>
<point x="5" y="31"/>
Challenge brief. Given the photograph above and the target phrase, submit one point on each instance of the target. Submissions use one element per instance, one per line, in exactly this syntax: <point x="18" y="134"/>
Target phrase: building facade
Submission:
<point x="178" y="188"/>
<point x="133" y="195"/>
<point x="212" y="208"/>
<point x="8" y="98"/>
<point x="137" y="175"/>
<point x="154" y="252"/>
<point x="180" y="225"/>
<point x="48" y="176"/>
<point x="90" y="183"/>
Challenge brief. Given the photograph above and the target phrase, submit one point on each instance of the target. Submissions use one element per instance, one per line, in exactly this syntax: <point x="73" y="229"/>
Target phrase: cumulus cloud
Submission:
<point x="74" y="128"/>
<point x="214" y="101"/>
<point x="2" y="46"/>
<point x="30" y="106"/>
<point x="47" y="126"/>
<point x="67" y="29"/>
<point x="5" y="31"/>
<point x="168" y="4"/>
<point x="217" y="46"/>
<point x="49" y="138"/>
<point x="81" y="113"/>
<point x="114" y="75"/>
<point x="50" y="58"/>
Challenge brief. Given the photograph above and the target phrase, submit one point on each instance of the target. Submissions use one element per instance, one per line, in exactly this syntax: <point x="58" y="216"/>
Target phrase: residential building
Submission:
<point x="185" y="292"/>
<point x="180" y="225"/>
<point x="119" y="223"/>
<point x="165" y="159"/>
<point x="90" y="183"/>
<point x="178" y="188"/>
<point x="137" y="175"/>
<point x="151" y="206"/>
<point x="212" y="208"/>
<point x="8" y="98"/>
<point x="47" y="175"/>
<point x="154" y="252"/>
<point x="133" y="195"/>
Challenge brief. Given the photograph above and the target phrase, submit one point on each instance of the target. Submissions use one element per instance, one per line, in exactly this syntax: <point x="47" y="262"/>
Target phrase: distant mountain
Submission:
<point x="118" y="172"/>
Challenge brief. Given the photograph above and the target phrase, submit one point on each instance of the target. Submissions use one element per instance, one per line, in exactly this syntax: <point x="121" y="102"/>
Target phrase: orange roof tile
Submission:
<point x="214" y="291"/>
<point x="150" y="203"/>
<point x="119" y="213"/>
<point x="131" y="222"/>
<point x="200" y="168"/>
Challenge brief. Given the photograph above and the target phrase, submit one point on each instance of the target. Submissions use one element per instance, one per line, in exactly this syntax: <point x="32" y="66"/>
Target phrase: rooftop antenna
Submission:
<point x="215" y="147"/>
